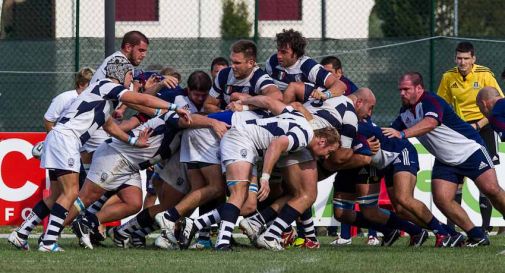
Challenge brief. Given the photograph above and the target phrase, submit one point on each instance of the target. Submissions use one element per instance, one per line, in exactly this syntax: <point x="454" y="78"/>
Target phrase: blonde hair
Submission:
<point x="329" y="133"/>
<point x="83" y="76"/>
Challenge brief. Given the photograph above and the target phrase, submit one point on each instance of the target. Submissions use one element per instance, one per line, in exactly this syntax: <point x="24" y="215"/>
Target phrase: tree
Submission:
<point x="234" y="23"/>
<point x="408" y="18"/>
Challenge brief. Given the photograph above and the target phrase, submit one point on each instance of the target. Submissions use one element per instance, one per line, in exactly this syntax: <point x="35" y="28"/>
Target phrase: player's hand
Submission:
<point x="184" y="114"/>
<point x="374" y="144"/>
<point x="143" y="138"/>
<point x="390" y="132"/>
<point x="170" y="82"/>
<point x="152" y="81"/>
<point x="318" y="95"/>
<point x="118" y="113"/>
<point x="235" y="106"/>
<point x="220" y="128"/>
<point x="264" y="190"/>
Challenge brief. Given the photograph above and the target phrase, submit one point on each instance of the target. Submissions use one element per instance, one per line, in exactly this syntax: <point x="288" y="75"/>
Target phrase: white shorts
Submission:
<point x="98" y="137"/>
<point x="236" y="147"/>
<point x="110" y="170"/>
<point x="200" y="145"/>
<point x="297" y="157"/>
<point x="173" y="172"/>
<point x="61" y="152"/>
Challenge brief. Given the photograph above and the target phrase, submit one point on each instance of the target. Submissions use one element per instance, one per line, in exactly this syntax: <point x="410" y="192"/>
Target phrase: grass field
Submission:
<point x="354" y="258"/>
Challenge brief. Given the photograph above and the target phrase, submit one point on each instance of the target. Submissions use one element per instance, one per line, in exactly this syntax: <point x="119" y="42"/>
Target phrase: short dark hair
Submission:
<point x="247" y="47"/>
<point x="294" y="39"/>
<point x="219" y="61"/>
<point x="200" y="81"/>
<point x="465" y="47"/>
<point x="134" y="38"/>
<point x="415" y="77"/>
<point x="333" y="60"/>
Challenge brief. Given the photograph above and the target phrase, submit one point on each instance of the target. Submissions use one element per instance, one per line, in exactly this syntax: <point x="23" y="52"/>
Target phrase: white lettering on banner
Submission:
<point x="9" y="212"/>
<point x="29" y="188"/>
<point x="25" y="212"/>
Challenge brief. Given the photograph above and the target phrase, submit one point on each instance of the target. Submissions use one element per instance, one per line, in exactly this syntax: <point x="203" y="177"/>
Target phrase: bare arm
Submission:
<point x="114" y="130"/>
<point x="355" y="161"/>
<point x="272" y="155"/>
<point x="200" y="121"/>
<point x="423" y="127"/>
<point x="300" y="108"/>
<point x="272" y="92"/>
<point x="48" y="125"/>
<point x="275" y="106"/>
<point x="339" y="157"/>
<point x="334" y="85"/>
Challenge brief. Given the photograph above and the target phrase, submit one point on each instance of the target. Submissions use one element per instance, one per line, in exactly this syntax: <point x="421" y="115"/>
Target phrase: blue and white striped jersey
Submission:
<point x="452" y="141"/>
<point x="163" y="142"/>
<point x="225" y="84"/>
<point x="90" y="110"/>
<point x="337" y="112"/>
<point x="262" y="131"/>
<point x="305" y="69"/>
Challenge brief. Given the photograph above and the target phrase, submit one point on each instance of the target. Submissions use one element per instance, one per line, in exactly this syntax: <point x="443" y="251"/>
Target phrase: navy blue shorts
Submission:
<point x="346" y="180"/>
<point x="473" y="167"/>
<point x="407" y="161"/>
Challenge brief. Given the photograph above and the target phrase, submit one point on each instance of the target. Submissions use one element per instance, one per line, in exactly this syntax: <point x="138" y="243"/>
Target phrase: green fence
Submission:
<point x="43" y="41"/>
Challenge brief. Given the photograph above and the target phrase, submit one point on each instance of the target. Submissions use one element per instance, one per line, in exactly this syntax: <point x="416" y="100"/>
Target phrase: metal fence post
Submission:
<point x="110" y="25"/>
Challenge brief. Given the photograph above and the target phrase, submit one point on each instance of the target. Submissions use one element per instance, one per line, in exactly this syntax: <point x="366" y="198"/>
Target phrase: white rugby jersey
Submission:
<point x="453" y="141"/>
<point x="163" y="142"/>
<point x="59" y="105"/>
<point x="90" y="110"/>
<point x="225" y="84"/>
<point x="261" y="132"/>
<point x="337" y="112"/>
<point x="305" y="69"/>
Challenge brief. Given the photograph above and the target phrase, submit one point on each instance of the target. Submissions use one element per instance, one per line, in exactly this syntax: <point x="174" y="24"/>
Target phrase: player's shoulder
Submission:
<point x="451" y="72"/>
<point x="480" y="69"/>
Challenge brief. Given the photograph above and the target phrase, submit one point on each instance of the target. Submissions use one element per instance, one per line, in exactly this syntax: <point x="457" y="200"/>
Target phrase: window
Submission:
<point x="280" y="10"/>
<point x="134" y="10"/>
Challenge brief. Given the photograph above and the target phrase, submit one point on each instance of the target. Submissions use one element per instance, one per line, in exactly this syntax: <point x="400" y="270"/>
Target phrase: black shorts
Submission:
<point x="490" y="141"/>
<point x="346" y="180"/>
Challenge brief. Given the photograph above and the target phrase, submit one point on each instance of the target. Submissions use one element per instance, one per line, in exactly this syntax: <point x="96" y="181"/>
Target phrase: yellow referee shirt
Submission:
<point x="461" y="92"/>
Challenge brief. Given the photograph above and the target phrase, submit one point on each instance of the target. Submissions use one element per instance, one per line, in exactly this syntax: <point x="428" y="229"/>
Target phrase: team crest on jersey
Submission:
<point x="104" y="177"/>
<point x="71" y="162"/>
<point x="180" y="181"/>
<point x="243" y="153"/>
<point x="245" y="89"/>
<point x="298" y="77"/>
<point x="475" y="85"/>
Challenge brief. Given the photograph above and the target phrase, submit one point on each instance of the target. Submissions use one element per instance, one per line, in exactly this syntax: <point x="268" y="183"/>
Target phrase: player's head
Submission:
<point x="134" y="46"/>
<point x="465" y="57"/>
<point x="486" y="99"/>
<point x="243" y="58"/>
<point x="218" y="64"/>
<point x="120" y="69"/>
<point x="411" y="88"/>
<point x="325" y="141"/>
<point x="170" y="71"/>
<point x="333" y="65"/>
<point x="199" y="84"/>
<point x="290" y="47"/>
<point x="83" y="77"/>
<point x="364" y="102"/>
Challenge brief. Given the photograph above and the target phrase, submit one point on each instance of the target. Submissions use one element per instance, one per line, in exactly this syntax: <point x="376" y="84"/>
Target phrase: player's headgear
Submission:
<point x="117" y="67"/>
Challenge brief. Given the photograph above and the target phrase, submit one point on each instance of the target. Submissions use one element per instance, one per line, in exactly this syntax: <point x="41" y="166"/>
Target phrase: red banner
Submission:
<point x="22" y="181"/>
